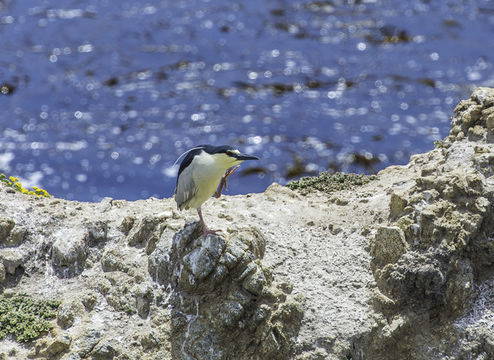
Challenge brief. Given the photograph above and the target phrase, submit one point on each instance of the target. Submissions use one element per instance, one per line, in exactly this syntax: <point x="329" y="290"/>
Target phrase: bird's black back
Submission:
<point x="210" y="149"/>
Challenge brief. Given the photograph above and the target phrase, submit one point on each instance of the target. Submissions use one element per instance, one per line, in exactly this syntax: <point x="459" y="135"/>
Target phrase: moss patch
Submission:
<point x="328" y="183"/>
<point x="24" y="317"/>
<point x="15" y="184"/>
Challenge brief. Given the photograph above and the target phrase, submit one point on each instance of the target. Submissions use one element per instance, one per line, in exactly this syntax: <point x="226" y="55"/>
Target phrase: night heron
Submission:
<point x="203" y="172"/>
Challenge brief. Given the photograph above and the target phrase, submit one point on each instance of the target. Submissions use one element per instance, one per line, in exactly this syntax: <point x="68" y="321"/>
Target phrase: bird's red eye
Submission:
<point x="229" y="153"/>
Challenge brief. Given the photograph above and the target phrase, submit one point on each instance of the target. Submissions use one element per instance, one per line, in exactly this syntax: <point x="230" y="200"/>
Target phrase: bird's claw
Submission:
<point x="207" y="232"/>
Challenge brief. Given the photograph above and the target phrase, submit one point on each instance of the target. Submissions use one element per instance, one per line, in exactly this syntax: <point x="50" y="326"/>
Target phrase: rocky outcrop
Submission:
<point x="430" y="263"/>
<point x="224" y="303"/>
<point x="400" y="267"/>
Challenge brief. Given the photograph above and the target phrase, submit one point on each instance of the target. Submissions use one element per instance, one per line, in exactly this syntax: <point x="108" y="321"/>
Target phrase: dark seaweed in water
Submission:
<point x="6" y="89"/>
<point x="99" y="98"/>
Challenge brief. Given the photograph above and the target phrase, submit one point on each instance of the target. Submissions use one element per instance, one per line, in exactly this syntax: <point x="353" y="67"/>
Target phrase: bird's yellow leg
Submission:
<point x="230" y="171"/>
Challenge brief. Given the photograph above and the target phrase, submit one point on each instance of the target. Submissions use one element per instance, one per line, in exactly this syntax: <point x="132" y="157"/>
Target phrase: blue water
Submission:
<point x="98" y="98"/>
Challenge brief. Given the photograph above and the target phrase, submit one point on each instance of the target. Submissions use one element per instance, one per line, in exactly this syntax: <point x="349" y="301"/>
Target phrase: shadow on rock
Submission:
<point x="225" y="304"/>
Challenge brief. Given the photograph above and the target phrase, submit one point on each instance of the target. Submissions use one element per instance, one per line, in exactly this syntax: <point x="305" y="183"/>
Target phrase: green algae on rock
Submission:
<point x="328" y="183"/>
<point x="24" y="317"/>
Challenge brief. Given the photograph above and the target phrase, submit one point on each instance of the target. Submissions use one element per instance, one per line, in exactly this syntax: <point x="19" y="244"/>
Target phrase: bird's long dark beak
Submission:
<point x="246" y="157"/>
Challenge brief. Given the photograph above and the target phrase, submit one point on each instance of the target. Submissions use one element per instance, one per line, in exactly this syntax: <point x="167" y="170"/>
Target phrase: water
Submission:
<point x="99" y="98"/>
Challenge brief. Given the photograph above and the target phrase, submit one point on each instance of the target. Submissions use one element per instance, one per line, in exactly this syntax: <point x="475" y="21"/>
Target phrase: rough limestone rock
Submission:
<point x="6" y="226"/>
<point x="446" y="218"/>
<point x="10" y="234"/>
<point x="3" y="273"/>
<point x="69" y="251"/>
<point x="388" y="245"/>
<point x="224" y="303"/>
<point x="399" y="268"/>
<point x="51" y="346"/>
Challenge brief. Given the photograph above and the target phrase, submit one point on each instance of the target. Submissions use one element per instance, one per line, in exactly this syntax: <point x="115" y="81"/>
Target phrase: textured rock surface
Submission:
<point x="224" y="303"/>
<point x="399" y="268"/>
<point x="446" y="218"/>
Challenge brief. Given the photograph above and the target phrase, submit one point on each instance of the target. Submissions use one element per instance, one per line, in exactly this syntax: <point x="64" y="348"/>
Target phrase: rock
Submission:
<point x="3" y="273"/>
<point x="6" y="226"/>
<point x="472" y="116"/>
<point x="460" y="289"/>
<point x="17" y="236"/>
<point x="220" y="289"/>
<point x="127" y="224"/>
<point x="12" y="259"/>
<point x="89" y="300"/>
<point x="96" y="232"/>
<point x="69" y="252"/>
<point x="68" y="312"/>
<point x="52" y="347"/>
<point x="230" y="259"/>
<point x="484" y="96"/>
<point x="114" y="260"/>
<point x="144" y="296"/>
<point x="10" y="234"/>
<point x="104" y="350"/>
<point x="231" y="313"/>
<point x="123" y="294"/>
<point x="202" y="260"/>
<point x="476" y="133"/>
<point x="158" y="266"/>
<point x="388" y="245"/>
<point x="255" y="282"/>
<point x="86" y="343"/>
<point x="449" y="237"/>
<point x="60" y="345"/>
<point x="489" y="121"/>
<point x="147" y="232"/>
<point x="416" y="278"/>
<point x="397" y="204"/>
<point x="150" y="340"/>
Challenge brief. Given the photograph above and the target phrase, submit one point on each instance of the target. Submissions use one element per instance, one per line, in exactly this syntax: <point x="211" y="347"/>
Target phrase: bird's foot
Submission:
<point x="207" y="232"/>
<point x="230" y="171"/>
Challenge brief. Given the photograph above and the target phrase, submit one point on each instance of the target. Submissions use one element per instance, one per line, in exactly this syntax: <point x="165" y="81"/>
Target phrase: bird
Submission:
<point x="202" y="173"/>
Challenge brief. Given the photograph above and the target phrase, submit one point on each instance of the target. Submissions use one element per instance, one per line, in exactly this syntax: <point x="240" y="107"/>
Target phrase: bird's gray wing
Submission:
<point x="186" y="189"/>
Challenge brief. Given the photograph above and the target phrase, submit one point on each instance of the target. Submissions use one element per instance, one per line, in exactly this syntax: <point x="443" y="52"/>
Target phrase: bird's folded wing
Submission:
<point x="186" y="189"/>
